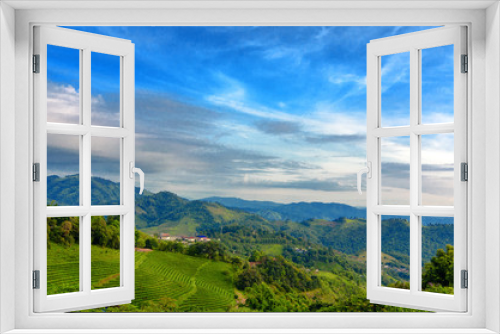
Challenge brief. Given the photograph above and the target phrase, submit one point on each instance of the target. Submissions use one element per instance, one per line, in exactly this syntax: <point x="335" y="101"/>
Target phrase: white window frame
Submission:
<point x="413" y="43"/>
<point x="483" y="100"/>
<point x="86" y="44"/>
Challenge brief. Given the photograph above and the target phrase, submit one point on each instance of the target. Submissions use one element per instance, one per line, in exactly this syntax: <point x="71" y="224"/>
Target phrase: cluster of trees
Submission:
<point x="105" y="231"/>
<point x="211" y="250"/>
<point x="63" y="230"/>
<point x="276" y="271"/>
<point x="273" y="284"/>
<point x="438" y="273"/>
<point x="322" y="257"/>
<point x="264" y="298"/>
<point x="277" y="285"/>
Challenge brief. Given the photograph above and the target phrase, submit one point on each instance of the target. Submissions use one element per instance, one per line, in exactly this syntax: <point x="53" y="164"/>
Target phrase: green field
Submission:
<point x="186" y="226"/>
<point x="271" y="249"/>
<point x="63" y="268"/>
<point x="164" y="281"/>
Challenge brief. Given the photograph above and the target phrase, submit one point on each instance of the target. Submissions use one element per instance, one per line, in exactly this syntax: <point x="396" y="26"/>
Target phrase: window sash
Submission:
<point x="414" y="298"/>
<point x="87" y="43"/>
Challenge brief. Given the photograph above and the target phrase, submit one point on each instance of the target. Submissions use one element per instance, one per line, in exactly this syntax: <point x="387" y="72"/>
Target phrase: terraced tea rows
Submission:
<point x="150" y="285"/>
<point x="194" y="284"/>
<point x="63" y="268"/>
<point x="206" y="300"/>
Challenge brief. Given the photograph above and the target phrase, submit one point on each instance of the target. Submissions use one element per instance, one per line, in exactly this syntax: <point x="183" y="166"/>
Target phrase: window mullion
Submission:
<point x="85" y="245"/>
<point x="414" y="169"/>
<point x="127" y="120"/>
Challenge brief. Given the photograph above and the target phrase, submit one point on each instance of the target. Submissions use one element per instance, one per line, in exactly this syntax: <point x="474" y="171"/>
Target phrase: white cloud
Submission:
<point x="395" y="70"/>
<point x="339" y="77"/>
<point x="323" y="118"/>
<point x="63" y="104"/>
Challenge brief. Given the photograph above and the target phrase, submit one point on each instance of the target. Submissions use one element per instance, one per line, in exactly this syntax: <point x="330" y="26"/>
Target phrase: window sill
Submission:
<point x="252" y="331"/>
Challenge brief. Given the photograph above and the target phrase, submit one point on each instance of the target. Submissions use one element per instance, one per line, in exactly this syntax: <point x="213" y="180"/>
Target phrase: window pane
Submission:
<point x="63" y="255"/>
<point x="437" y="85"/>
<point x="63" y="85"/>
<point x="63" y="168"/>
<point x="395" y="251"/>
<point x="105" y="171"/>
<point x="105" y="252"/>
<point x="437" y="254"/>
<point x="105" y="89"/>
<point x="395" y="170"/>
<point x="395" y="89"/>
<point x="437" y="169"/>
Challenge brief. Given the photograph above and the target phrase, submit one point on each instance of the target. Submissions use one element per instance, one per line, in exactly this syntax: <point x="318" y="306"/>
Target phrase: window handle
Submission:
<point x="368" y="171"/>
<point x="139" y="171"/>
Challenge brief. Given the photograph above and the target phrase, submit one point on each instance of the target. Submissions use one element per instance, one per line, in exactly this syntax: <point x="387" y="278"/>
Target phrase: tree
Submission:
<point x="439" y="272"/>
<point x="151" y="243"/>
<point x="99" y="232"/>
<point x="247" y="278"/>
<point x="256" y="256"/>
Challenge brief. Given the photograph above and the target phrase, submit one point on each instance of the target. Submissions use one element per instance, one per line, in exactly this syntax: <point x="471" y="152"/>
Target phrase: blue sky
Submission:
<point x="263" y="113"/>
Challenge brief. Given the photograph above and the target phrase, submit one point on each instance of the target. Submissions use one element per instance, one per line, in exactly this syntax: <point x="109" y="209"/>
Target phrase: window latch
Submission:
<point x="368" y="171"/>
<point x="132" y="171"/>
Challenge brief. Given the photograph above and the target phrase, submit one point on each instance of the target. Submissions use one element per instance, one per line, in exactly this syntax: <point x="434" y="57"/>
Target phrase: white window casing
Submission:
<point x="482" y="311"/>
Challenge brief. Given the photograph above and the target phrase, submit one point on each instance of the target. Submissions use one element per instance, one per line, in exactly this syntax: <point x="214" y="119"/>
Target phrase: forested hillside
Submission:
<point x="310" y="265"/>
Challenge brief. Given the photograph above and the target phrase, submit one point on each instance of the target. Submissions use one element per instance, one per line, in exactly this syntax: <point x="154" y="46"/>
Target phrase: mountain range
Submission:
<point x="293" y="211"/>
<point x="320" y="224"/>
<point x="152" y="208"/>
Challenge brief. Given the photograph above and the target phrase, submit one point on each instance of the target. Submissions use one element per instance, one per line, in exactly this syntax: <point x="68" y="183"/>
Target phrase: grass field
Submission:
<point x="63" y="268"/>
<point x="187" y="283"/>
<point x="271" y="249"/>
<point x="186" y="226"/>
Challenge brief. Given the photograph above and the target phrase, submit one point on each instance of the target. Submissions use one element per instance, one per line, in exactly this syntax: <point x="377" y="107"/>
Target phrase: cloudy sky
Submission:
<point x="262" y="113"/>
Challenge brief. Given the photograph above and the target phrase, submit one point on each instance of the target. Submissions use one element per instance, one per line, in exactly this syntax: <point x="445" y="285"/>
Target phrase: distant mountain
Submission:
<point x="234" y="202"/>
<point x="294" y="211"/>
<point x="65" y="190"/>
<point x="302" y="211"/>
<point x="172" y="213"/>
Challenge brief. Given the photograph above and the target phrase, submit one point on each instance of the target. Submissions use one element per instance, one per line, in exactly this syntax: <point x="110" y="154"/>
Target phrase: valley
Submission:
<point x="245" y="262"/>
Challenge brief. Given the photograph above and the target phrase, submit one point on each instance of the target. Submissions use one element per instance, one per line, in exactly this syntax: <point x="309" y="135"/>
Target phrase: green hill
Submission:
<point x="174" y="282"/>
<point x="65" y="190"/>
<point x="165" y="212"/>
<point x="337" y="246"/>
<point x="208" y="277"/>
<point x="192" y="283"/>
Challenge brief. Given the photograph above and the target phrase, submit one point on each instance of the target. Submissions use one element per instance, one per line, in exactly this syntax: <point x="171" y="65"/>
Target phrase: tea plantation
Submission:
<point x="178" y="282"/>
